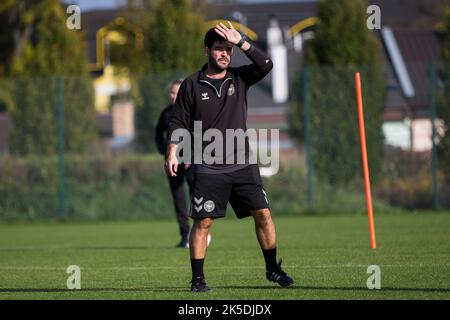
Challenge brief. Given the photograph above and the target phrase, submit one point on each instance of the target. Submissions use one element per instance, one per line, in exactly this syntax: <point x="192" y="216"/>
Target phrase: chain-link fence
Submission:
<point x="403" y="132"/>
<point x="72" y="149"/>
<point x="62" y="159"/>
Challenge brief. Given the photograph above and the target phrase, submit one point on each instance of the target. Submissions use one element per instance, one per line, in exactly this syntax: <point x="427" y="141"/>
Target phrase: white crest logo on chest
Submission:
<point x="230" y="91"/>
<point x="205" y="96"/>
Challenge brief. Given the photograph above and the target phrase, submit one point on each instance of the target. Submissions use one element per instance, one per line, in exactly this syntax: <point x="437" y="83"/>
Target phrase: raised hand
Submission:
<point x="229" y="33"/>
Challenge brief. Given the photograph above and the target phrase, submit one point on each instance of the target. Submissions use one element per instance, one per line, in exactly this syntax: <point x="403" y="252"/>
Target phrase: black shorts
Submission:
<point x="242" y="188"/>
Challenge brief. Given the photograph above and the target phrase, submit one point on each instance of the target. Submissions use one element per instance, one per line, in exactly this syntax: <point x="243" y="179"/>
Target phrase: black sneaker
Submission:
<point x="183" y="244"/>
<point x="279" y="276"/>
<point x="199" y="285"/>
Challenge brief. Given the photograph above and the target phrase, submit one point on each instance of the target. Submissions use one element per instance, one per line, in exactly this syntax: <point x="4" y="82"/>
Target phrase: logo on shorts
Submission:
<point x="209" y="206"/>
<point x="197" y="205"/>
<point x="265" y="196"/>
<point x="230" y="91"/>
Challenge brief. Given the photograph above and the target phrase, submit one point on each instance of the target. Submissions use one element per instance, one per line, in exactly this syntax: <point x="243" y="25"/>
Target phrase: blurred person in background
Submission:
<point x="184" y="171"/>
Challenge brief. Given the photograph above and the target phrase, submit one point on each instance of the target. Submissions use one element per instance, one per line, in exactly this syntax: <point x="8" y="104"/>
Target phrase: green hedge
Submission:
<point x="135" y="187"/>
<point x="96" y="188"/>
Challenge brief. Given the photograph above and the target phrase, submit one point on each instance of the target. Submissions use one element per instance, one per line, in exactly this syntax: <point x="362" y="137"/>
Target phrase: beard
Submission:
<point x="216" y="66"/>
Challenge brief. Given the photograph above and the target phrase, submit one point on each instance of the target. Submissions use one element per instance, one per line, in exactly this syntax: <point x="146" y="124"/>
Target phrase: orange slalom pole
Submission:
<point x="362" y="134"/>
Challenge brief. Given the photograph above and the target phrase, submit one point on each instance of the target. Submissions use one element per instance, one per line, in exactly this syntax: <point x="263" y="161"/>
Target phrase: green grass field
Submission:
<point x="327" y="256"/>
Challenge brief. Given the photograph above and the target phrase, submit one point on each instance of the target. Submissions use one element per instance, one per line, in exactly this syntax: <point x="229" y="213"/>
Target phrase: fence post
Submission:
<point x="61" y="148"/>
<point x="308" y="147"/>
<point x="434" y="161"/>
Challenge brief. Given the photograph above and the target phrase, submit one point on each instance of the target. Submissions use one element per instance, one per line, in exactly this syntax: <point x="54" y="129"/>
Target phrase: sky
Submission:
<point x="108" y="4"/>
<point x="97" y="4"/>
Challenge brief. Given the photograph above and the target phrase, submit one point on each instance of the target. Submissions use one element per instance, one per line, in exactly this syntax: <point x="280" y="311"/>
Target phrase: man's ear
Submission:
<point x="207" y="51"/>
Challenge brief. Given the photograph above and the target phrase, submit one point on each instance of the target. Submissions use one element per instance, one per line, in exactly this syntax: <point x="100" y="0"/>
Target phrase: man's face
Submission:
<point x="219" y="56"/>
<point x="173" y="92"/>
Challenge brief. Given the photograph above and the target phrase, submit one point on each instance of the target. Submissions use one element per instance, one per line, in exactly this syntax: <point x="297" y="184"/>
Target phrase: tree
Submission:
<point x="173" y="48"/>
<point x="342" y="45"/>
<point x="444" y="109"/>
<point x="40" y="50"/>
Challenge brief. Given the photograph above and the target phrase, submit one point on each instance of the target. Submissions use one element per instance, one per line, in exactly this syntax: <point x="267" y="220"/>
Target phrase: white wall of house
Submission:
<point x="422" y="133"/>
<point x="123" y="119"/>
<point x="397" y="134"/>
<point x="416" y="132"/>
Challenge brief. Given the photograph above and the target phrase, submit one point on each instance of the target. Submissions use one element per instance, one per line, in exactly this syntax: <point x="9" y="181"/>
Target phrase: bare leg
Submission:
<point x="265" y="228"/>
<point x="198" y="237"/>
<point x="265" y="231"/>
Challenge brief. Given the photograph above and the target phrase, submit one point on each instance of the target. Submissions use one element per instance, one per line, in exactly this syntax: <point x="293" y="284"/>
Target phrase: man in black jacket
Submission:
<point x="216" y="97"/>
<point x="176" y="183"/>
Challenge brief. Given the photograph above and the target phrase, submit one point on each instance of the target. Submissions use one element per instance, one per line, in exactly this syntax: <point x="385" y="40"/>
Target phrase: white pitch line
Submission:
<point x="44" y="268"/>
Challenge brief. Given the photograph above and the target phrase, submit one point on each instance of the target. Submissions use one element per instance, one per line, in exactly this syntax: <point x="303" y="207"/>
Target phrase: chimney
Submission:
<point x="278" y="53"/>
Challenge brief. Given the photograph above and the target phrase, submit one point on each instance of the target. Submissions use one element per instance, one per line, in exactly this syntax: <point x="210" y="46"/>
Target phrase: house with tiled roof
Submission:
<point x="408" y="26"/>
<point x="410" y="42"/>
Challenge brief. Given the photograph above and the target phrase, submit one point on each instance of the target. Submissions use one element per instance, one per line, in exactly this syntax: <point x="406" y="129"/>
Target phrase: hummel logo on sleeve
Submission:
<point x="205" y="96"/>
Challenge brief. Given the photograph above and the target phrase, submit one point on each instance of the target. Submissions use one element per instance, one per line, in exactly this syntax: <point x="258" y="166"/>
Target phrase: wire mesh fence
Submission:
<point x="403" y="133"/>
<point x="63" y="156"/>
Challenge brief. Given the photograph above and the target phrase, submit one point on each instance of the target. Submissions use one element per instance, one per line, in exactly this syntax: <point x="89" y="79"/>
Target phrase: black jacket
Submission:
<point x="162" y="128"/>
<point x="222" y="109"/>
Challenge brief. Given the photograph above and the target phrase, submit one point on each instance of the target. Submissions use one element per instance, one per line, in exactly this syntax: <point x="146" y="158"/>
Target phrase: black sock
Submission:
<point x="197" y="268"/>
<point x="270" y="256"/>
